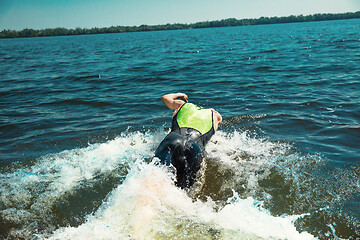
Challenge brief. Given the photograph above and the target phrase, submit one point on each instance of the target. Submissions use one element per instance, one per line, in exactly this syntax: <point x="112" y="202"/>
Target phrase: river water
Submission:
<point x="81" y="118"/>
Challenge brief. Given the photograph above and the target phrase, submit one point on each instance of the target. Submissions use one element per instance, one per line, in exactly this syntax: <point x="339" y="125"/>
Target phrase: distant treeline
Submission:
<point x="208" y="24"/>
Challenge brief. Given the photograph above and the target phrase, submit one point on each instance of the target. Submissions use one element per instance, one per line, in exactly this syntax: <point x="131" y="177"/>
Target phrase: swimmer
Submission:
<point x="192" y="127"/>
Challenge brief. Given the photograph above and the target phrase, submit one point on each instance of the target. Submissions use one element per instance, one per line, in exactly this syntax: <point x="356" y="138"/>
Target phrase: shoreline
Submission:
<point x="230" y="22"/>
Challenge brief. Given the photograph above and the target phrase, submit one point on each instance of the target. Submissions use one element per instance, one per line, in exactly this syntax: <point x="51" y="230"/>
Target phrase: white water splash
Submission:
<point x="146" y="205"/>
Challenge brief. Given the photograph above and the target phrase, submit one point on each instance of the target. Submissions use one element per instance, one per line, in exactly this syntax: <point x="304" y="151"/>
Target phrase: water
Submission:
<point x="81" y="118"/>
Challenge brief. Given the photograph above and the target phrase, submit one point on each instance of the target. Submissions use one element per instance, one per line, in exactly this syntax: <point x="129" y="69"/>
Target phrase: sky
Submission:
<point x="40" y="14"/>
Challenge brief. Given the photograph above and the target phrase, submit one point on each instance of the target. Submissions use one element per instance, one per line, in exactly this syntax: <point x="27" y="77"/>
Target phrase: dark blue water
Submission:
<point x="298" y="84"/>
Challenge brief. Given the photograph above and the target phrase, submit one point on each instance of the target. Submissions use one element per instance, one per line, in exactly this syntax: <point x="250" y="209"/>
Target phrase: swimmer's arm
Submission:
<point x="172" y="100"/>
<point x="217" y="118"/>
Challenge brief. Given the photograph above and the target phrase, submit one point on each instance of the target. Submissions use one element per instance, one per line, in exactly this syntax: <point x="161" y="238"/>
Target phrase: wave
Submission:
<point x="250" y="188"/>
<point x="79" y="102"/>
<point x="87" y="77"/>
<point x="236" y="119"/>
<point x="149" y="206"/>
<point x="110" y="191"/>
<point x="33" y="198"/>
<point x="270" y="51"/>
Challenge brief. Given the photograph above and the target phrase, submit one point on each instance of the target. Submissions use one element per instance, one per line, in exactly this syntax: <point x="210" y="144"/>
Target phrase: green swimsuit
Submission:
<point x="194" y="122"/>
<point x="192" y="116"/>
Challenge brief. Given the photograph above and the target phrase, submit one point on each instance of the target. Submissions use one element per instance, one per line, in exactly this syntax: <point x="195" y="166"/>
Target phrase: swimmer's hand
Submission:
<point x="183" y="96"/>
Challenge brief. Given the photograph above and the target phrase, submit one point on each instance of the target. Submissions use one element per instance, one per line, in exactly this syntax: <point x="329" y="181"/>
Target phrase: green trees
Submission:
<point x="208" y="24"/>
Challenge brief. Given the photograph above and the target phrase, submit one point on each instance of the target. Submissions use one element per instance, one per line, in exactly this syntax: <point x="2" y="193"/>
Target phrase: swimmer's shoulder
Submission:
<point x="178" y="109"/>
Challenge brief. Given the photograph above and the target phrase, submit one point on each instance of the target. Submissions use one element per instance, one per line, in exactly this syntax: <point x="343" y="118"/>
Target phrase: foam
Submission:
<point x="35" y="188"/>
<point x="146" y="205"/>
<point x="237" y="145"/>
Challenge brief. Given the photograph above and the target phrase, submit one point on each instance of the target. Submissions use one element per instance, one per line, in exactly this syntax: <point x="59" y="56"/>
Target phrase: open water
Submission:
<point x="81" y="118"/>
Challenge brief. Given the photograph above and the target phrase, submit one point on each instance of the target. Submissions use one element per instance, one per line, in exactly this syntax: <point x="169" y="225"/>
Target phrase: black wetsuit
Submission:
<point x="183" y="147"/>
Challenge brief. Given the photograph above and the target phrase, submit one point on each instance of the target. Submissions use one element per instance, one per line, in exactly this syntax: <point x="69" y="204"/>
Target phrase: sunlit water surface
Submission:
<point x="81" y="118"/>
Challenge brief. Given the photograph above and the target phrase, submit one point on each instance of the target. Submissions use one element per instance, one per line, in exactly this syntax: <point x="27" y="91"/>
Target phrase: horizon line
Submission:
<point x="228" y="22"/>
<point x="164" y="24"/>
